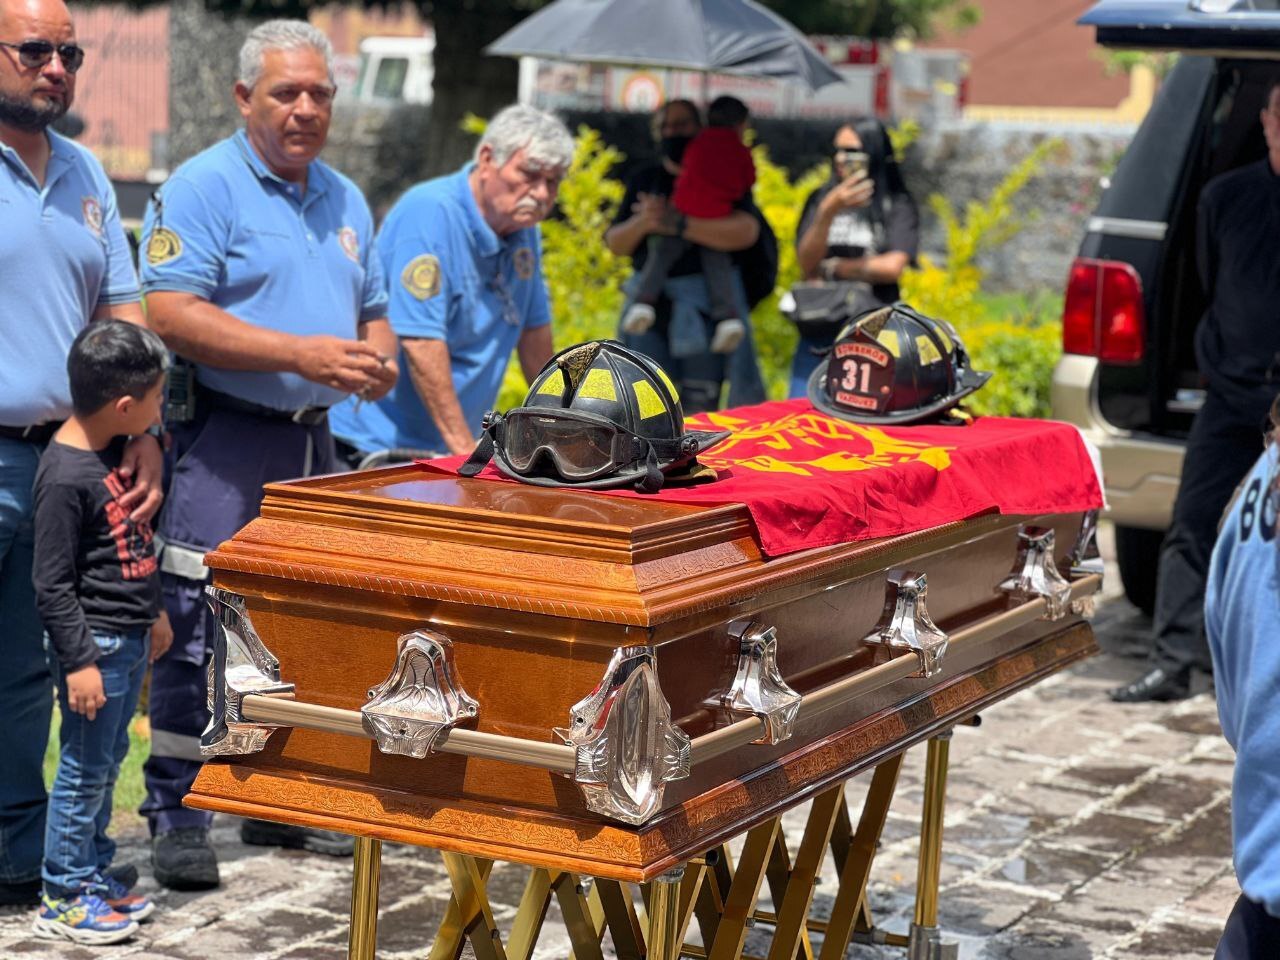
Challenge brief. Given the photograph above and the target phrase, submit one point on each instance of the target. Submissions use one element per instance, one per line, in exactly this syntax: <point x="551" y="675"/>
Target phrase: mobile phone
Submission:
<point x="857" y="162"/>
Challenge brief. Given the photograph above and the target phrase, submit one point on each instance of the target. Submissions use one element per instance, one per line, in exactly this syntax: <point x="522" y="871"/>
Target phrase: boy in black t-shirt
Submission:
<point x="98" y="593"/>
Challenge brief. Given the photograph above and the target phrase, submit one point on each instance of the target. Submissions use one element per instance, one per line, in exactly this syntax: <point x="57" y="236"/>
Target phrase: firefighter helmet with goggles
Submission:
<point x="894" y="365"/>
<point x="598" y="415"/>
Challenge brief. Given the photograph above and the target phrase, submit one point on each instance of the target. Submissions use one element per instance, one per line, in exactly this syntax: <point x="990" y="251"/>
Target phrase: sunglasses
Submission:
<point x="36" y="53"/>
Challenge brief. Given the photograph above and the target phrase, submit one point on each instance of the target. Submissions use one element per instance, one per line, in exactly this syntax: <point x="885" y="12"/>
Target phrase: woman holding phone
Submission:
<point x="860" y="229"/>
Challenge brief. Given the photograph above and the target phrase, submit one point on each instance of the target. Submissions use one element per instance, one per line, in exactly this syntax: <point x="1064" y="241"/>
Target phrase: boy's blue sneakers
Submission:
<point x="115" y="888"/>
<point x="83" y="919"/>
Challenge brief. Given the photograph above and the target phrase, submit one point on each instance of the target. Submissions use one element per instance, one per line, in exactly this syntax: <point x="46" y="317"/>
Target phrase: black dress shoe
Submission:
<point x="24" y="893"/>
<point x="1157" y="684"/>
<point x="184" y="860"/>
<point x="263" y="833"/>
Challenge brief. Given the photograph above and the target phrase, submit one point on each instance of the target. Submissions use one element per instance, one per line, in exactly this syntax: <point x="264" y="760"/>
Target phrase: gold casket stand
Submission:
<point x="475" y="666"/>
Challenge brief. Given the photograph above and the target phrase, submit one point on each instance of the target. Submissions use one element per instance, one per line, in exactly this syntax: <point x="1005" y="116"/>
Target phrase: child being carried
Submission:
<point x="716" y="172"/>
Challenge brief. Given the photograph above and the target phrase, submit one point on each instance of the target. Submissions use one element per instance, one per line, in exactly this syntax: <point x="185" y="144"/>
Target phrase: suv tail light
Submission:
<point x="1103" y="315"/>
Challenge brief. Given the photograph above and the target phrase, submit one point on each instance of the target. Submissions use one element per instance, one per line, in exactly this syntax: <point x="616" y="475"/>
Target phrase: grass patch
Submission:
<point x="130" y="788"/>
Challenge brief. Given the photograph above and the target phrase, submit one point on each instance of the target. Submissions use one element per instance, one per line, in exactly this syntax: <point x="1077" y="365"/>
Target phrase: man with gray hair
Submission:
<point x="258" y="270"/>
<point x="463" y="257"/>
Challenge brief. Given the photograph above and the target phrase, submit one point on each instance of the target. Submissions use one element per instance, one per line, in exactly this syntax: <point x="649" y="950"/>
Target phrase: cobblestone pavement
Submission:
<point x="1075" y="828"/>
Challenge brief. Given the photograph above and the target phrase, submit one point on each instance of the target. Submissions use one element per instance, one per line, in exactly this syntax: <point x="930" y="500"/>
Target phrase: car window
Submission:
<point x="388" y="83"/>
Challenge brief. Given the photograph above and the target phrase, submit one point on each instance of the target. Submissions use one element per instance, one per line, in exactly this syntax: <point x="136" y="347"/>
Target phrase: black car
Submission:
<point x="1128" y="377"/>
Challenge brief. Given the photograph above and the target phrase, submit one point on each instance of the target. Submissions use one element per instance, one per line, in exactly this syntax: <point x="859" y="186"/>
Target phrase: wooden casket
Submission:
<point x="604" y="685"/>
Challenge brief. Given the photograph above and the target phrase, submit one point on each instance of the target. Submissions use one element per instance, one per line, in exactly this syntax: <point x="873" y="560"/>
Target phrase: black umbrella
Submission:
<point x="737" y="37"/>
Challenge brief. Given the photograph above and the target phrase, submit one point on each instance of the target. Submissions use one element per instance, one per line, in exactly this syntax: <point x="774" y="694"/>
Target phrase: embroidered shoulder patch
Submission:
<point x="350" y="243"/>
<point x="523" y="260"/>
<point x="92" y="211"/>
<point x="421" y="276"/>
<point x="163" y="246"/>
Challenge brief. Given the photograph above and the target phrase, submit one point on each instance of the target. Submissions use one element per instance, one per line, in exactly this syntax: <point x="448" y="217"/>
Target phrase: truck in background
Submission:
<point x="880" y="79"/>
<point x="390" y="70"/>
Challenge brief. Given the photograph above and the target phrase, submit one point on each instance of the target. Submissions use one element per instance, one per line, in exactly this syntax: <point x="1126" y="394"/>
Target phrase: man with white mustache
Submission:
<point x="462" y="254"/>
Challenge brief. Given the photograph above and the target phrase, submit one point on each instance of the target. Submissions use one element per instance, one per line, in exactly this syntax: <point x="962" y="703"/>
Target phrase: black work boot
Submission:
<point x="263" y="833"/>
<point x="1156" y="685"/>
<point x="184" y="860"/>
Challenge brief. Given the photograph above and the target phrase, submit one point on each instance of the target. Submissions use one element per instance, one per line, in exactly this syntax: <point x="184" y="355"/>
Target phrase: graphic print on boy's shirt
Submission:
<point x="133" y="538"/>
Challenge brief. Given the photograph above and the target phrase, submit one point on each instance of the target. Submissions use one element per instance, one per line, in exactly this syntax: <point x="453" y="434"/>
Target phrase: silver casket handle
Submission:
<point x="905" y="625"/>
<point x="1035" y="573"/>
<point x="626" y="747"/>
<point x="241" y="665"/>
<point x="420" y="700"/>
<point x="758" y="688"/>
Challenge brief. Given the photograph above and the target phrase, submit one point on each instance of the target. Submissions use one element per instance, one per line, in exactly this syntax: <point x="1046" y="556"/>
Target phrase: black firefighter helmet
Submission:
<point x="894" y="365"/>
<point x="598" y="415"/>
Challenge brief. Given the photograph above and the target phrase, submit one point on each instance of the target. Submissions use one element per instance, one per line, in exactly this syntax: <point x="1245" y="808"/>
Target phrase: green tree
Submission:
<point x="878" y="19"/>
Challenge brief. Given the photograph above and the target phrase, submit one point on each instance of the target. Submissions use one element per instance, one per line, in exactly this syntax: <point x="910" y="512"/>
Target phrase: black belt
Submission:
<point x="307" y="416"/>
<point x="37" y="433"/>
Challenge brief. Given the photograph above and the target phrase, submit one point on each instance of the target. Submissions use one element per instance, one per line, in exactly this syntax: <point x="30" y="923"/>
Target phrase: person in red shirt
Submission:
<point x="715" y="173"/>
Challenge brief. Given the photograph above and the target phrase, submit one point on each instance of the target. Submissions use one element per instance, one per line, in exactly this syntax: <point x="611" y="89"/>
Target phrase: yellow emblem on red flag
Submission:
<point x="808" y="443"/>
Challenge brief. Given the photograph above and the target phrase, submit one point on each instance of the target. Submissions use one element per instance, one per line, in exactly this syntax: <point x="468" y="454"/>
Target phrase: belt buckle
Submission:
<point x="308" y="416"/>
<point x="27" y="430"/>
<point x="300" y="415"/>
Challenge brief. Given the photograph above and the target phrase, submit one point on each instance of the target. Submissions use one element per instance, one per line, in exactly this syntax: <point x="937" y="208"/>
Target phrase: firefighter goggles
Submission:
<point x="36" y="53"/>
<point x="582" y="446"/>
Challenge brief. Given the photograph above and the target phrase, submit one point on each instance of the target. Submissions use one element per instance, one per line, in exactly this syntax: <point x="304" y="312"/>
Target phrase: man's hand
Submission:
<point x="161" y="636"/>
<point x="350" y="365"/>
<point x="853" y="191"/>
<point x="84" y="691"/>
<point x="143" y="464"/>
<point x="654" y="213"/>
<point x="384" y="378"/>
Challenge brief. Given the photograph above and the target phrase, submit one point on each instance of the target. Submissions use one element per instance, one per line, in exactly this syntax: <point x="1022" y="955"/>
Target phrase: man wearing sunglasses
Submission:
<point x="259" y="270"/>
<point x="64" y="262"/>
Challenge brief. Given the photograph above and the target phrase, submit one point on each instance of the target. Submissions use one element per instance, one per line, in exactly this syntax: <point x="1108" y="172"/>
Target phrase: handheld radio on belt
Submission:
<point x="180" y="389"/>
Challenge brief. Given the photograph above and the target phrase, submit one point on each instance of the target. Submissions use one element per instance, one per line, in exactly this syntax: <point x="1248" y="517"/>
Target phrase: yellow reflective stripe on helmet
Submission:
<point x="675" y="394"/>
<point x="889" y="340"/>
<point x="598" y="385"/>
<point x="928" y="349"/>
<point x="553" y="384"/>
<point x="647" y="399"/>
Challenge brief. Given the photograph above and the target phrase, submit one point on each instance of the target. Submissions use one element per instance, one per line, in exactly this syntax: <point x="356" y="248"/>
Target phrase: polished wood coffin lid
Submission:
<point x="564" y="553"/>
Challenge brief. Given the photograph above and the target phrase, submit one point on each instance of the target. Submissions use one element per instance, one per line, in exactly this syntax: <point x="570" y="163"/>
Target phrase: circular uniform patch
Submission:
<point x="350" y="243"/>
<point x="163" y="246"/>
<point x="92" y="211"/>
<point x="523" y="260"/>
<point x="421" y="276"/>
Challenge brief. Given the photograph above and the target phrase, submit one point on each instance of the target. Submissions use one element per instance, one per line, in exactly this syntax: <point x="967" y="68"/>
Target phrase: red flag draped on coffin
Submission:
<point x="809" y="480"/>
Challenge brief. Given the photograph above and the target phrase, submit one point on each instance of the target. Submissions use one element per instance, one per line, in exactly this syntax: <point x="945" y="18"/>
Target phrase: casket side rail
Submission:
<point x="421" y="706"/>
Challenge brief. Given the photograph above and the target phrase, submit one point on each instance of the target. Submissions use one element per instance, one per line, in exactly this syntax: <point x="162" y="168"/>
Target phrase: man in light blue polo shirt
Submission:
<point x="462" y="255"/>
<point x="64" y="262"/>
<point x="259" y="269"/>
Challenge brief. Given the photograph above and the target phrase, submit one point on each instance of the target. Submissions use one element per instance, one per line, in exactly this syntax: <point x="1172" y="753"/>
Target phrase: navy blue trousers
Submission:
<point x="1251" y="934"/>
<point x="1222" y="447"/>
<point x="218" y="464"/>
